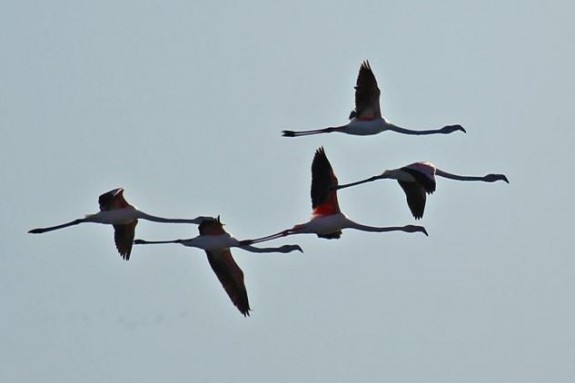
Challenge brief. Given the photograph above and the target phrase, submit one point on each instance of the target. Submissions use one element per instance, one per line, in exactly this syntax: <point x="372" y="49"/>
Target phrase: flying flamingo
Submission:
<point x="327" y="220"/>
<point x="217" y="243"/>
<point x="418" y="179"/>
<point x="366" y="119"/>
<point x="115" y="210"/>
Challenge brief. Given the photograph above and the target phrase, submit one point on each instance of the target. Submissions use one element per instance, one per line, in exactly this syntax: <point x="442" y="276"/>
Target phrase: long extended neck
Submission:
<point x="292" y="133"/>
<point x="414" y="132"/>
<point x="247" y="242"/>
<point x="407" y="228"/>
<point x="46" y="229"/>
<point x="487" y="178"/>
<point x="281" y="249"/>
<point x="370" y="179"/>
<point x="154" y="218"/>
<point x="444" y="130"/>
<point x="144" y="242"/>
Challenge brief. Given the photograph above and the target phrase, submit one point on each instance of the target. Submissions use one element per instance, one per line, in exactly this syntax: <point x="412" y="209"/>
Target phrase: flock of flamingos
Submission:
<point x="327" y="221"/>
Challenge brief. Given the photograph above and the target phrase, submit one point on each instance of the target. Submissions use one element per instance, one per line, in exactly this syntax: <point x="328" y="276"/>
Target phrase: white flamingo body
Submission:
<point x="358" y="127"/>
<point x="323" y="224"/>
<point x="418" y="179"/>
<point x="211" y="242"/>
<point x="327" y="220"/>
<point x="367" y="119"/>
<point x="115" y="217"/>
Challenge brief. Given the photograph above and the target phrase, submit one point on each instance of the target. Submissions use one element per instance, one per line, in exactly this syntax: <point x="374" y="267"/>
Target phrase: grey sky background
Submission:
<point x="182" y="103"/>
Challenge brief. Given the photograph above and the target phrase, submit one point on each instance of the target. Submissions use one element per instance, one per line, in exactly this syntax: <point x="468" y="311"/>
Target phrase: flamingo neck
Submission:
<point x="154" y="218"/>
<point x="281" y="249"/>
<point x="358" y="226"/>
<point x="458" y="177"/>
<point x="370" y="179"/>
<point x="398" y="129"/>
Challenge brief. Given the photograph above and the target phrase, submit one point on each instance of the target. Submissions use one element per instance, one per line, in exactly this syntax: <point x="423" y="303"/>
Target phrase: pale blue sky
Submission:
<point x="182" y="103"/>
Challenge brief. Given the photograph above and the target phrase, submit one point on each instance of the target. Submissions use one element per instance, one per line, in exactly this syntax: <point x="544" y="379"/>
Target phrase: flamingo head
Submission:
<point x="452" y="128"/>
<point x="415" y="229"/>
<point x="496" y="177"/>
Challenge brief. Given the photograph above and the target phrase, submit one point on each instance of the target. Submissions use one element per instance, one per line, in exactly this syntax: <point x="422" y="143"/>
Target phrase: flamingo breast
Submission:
<point x="115" y="217"/>
<point x="326" y="225"/>
<point x="359" y="127"/>
<point x="212" y="242"/>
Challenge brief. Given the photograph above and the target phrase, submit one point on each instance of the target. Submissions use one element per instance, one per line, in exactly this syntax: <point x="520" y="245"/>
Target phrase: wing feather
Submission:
<point x="124" y="238"/>
<point x="323" y="183"/>
<point x="114" y="199"/>
<point x="231" y="277"/>
<point x="424" y="174"/>
<point x="367" y="95"/>
<point x="416" y="196"/>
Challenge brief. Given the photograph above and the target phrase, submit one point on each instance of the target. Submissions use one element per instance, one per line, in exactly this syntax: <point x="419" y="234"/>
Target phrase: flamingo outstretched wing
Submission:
<point x="114" y="199"/>
<point x="323" y="190"/>
<point x="367" y="93"/>
<point x="323" y="185"/>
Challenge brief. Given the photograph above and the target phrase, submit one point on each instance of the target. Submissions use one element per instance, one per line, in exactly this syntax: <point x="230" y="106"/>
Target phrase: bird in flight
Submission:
<point x="418" y="179"/>
<point x="116" y="211"/>
<point x="327" y="220"/>
<point x="217" y="243"/>
<point x="367" y="119"/>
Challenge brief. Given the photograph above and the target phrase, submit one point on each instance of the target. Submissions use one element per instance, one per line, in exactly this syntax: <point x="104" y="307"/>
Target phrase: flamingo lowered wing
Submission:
<point x="416" y="191"/>
<point x="231" y="277"/>
<point x="416" y="197"/>
<point x="124" y="238"/>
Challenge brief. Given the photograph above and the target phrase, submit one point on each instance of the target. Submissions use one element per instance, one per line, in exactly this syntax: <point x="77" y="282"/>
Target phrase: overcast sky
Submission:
<point x="182" y="104"/>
